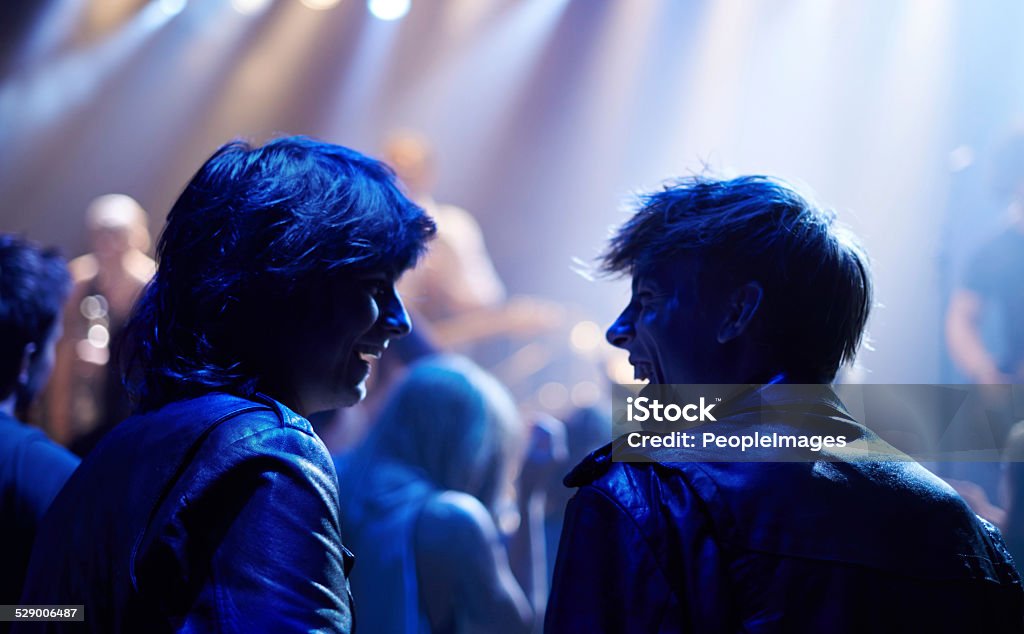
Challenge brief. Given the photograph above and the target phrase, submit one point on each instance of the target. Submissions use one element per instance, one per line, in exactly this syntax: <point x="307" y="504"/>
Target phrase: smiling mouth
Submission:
<point x="642" y="371"/>
<point x="366" y="352"/>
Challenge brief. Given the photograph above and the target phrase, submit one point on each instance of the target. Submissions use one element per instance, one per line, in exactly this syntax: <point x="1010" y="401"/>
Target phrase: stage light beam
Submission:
<point x="251" y="7"/>
<point x="389" y="9"/>
<point x="172" y="7"/>
<point x="320" y="5"/>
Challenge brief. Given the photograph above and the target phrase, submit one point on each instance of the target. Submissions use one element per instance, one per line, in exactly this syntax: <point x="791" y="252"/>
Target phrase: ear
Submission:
<point x="740" y="309"/>
<point x="26" y="362"/>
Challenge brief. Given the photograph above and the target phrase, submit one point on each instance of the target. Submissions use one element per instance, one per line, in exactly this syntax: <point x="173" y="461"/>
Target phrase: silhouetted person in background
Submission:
<point x="586" y="429"/>
<point x="426" y="495"/>
<point x="984" y="317"/>
<point x="457" y="276"/>
<point x="215" y="508"/>
<point x="86" y="397"/>
<point x="33" y="287"/>
<point x="457" y="289"/>
<point x="744" y="281"/>
<point x="992" y="285"/>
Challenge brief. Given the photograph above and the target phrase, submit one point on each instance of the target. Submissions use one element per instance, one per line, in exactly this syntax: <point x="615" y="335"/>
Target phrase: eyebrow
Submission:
<point x="377" y="275"/>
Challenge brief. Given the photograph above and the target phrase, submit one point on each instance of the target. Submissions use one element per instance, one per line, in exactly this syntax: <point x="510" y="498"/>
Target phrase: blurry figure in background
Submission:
<point x="427" y="494"/>
<point x="457" y="275"/>
<point x="86" y="397"/>
<point x="993" y="284"/>
<point x="586" y="429"/>
<point x="1009" y="515"/>
<point x="984" y="319"/>
<point x="33" y="288"/>
<point x="456" y="289"/>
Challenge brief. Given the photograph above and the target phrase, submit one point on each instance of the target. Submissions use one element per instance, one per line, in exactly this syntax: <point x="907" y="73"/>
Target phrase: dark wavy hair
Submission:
<point x="34" y="284"/>
<point x="256" y="234"/>
<point x="816" y="278"/>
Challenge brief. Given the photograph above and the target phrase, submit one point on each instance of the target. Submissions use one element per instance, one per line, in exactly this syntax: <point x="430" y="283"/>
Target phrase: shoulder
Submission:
<point x="233" y="417"/>
<point x="250" y="420"/>
<point x="657" y="497"/>
<point x="223" y="456"/>
<point x="456" y="520"/>
<point x="457" y="224"/>
<point x="25" y="446"/>
<point x="215" y="433"/>
<point x="455" y="538"/>
<point x="620" y="486"/>
<point x="448" y="213"/>
<point x="45" y="455"/>
<point x="266" y="433"/>
<point x="141" y="267"/>
<point x="214" y="417"/>
<point x="14" y="435"/>
<point x="615" y="470"/>
<point x="83" y="268"/>
<point x="998" y="254"/>
<point x="33" y="468"/>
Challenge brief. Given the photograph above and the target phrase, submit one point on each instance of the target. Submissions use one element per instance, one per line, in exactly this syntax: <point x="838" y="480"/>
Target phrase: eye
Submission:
<point x="649" y="300"/>
<point x="377" y="288"/>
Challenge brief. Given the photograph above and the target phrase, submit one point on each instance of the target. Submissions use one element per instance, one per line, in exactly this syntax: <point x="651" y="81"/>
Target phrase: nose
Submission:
<point x="621" y="333"/>
<point x="395" y="318"/>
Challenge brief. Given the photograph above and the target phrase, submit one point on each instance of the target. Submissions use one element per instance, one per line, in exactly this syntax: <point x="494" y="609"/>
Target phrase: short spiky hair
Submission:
<point x="818" y="290"/>
<point x="34" y="284"/>
<point x="256" y="230"/>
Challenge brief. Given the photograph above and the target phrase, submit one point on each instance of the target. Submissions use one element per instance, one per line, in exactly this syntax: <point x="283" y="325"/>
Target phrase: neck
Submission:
<point x="769" y="377"/>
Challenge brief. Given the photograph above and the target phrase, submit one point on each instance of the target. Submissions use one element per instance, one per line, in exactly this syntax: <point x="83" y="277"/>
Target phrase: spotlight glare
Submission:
<point x="98" y="336"/>
<point x="388" y="9"/>
<point x="585" y="394"/>
<point x="961" y="158"/>
<point x="172" y="7"/>
<point x="586" y="336"/>
<point x="553" y="396"/>
<point x="321" y="5"/>
<point x="250" y="7"/>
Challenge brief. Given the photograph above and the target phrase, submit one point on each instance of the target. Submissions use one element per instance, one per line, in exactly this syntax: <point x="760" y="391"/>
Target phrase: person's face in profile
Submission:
<point x="344" y="331"/>
<point x="667" y="329"/>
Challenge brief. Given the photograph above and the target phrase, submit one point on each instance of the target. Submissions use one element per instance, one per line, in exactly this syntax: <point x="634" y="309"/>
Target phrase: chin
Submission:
<point x="349" y="396"/>
<point x="344" y="397"/>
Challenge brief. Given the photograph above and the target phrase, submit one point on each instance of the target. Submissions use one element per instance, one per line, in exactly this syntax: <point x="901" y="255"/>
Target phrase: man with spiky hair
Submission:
<point x="741" y="282"/>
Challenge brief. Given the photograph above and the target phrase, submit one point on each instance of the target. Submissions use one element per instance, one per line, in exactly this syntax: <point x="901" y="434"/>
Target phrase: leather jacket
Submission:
<point x="690" y="542"/>
<point x="211" y="514"/>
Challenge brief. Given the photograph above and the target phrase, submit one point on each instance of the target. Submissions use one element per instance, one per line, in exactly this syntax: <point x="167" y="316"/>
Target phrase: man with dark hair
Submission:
<point x="215" y="507"/>
<point x="741" y="282"/>
<point x="33" y="286"/>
